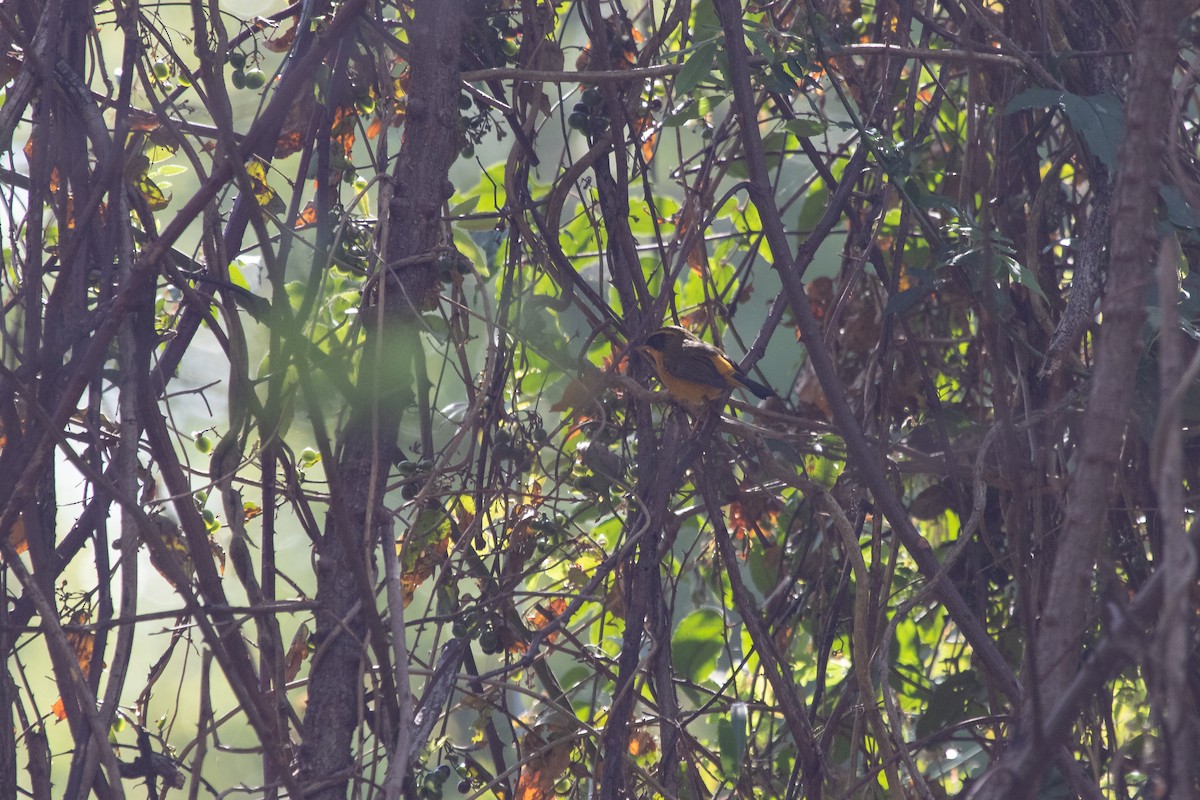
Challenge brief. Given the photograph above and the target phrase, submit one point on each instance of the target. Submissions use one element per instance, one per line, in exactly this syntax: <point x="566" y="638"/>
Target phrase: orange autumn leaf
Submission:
<point x="646" y="129"/>
<point x="545" y="763"/>
<point x="307" y="216"/>
<point x="27" y="150"/>
<point x="623" y="40"/>
<point x="16" y="535"/>
<point x="423" y="548"/>
<point x="543" y="614"/>
<point x="753" y="508"/>
<point x="649" y="140"/>
<point x="81" y="642"/>
<point x="641" y="743"/>
<point x="289" y="142"/>
<point x="342" y="128"/>
<point x="508" y="641"/>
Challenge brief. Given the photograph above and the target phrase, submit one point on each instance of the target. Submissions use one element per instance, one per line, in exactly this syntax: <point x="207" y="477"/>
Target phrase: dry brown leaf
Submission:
<point x="296" y="653"/>
<point x="283" y="42"/>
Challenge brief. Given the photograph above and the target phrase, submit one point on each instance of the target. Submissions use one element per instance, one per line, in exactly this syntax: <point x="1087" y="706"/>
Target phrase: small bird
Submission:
<point x="692" y="370"/>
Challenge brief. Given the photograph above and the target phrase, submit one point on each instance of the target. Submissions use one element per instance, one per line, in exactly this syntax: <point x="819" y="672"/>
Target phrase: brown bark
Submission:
<point x="347" y="607"/>
<point x="1067" y="610"/>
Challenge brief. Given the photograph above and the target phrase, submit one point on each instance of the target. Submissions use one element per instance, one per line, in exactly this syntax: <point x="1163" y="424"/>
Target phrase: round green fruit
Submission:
<point x="255" y="79"/>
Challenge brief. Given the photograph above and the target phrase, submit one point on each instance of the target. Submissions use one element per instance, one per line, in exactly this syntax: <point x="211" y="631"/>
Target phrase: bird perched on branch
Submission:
<point x="694" y="371"/>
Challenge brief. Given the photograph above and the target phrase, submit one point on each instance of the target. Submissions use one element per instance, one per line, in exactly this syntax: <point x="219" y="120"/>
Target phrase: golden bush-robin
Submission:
<point x="694" y="371"/>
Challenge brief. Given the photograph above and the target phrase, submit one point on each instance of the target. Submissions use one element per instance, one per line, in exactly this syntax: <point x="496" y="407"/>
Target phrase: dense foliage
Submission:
<point x="331" y="464"/>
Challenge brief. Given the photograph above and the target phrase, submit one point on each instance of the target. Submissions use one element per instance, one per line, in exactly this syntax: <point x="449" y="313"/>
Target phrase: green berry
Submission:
<point x="255" y="79"/>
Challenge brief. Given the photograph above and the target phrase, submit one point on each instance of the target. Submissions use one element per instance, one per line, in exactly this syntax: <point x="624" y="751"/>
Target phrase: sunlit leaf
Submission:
<point x="698" y="640"/>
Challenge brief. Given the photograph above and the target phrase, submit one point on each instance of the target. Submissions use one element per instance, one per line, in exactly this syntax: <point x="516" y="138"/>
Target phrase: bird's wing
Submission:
<point x="696" y="364"/>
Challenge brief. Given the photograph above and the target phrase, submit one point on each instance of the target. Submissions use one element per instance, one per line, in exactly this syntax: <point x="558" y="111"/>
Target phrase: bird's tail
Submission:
<point x="755" y="388"/>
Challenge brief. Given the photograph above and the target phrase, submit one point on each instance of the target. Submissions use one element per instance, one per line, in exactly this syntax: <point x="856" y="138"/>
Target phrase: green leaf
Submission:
<point x="465" y="207"/>
<point x="696" y="68"/>
<point x="926" y="200"/>
<point x="813" y="207"/>
<point x="697" y="642"/>
<point x="901" y="302"/>
<point x="958" y="697"/>
<point x="732" y="738"/>
<point x="759" y="41"/>
<point x="807" y="128"/>
<point x="1179" y="213"/>
<point x="1023" y="276"/>
<point x="1099" y="118"/>
<point x="1034" y="98"/>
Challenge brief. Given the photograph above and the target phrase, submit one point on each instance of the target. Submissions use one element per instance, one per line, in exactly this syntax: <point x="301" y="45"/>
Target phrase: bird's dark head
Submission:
<point x="658" y="340"/>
